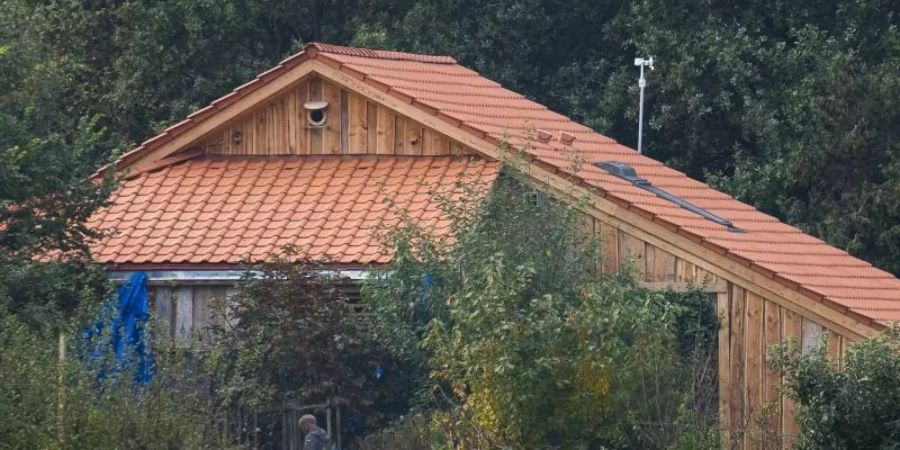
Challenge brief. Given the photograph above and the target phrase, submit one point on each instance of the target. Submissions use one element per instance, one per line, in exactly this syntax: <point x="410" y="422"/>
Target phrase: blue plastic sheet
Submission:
<point x="127" y="319"/>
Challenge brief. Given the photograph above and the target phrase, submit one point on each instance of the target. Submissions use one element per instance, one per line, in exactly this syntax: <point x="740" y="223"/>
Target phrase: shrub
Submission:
<point x="289" y="338"/>
<point x="47" y="402"/>
<point x="845" y="405"/>
<point x="518" y="344"/>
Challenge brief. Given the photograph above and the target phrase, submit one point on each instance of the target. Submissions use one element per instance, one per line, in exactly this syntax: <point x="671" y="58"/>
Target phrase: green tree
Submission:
<point x="519" y="346"/>
<point x="289" y="338"/>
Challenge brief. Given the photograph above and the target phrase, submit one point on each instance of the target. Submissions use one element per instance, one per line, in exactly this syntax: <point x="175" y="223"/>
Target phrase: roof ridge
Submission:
<point x="313" y="47"/>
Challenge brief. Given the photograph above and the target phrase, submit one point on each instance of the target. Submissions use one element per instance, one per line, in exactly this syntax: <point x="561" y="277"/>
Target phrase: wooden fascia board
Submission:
<point x="632" y="222"/>
<point x="231" y="110"/>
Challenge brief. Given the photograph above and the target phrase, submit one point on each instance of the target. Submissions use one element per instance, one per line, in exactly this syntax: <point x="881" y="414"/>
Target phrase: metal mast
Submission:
<point x="642" y="82"/>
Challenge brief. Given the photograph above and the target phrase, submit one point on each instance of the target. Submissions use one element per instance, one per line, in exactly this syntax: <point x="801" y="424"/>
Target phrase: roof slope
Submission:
<point x="224" y="210"/>
<point x="463" y="98"/>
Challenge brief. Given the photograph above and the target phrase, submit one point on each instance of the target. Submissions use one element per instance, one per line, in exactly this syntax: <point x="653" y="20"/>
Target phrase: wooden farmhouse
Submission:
<point x="305" y="153"/>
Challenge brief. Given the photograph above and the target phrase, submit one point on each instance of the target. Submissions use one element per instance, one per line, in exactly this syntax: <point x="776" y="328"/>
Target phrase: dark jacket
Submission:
<point x="317" y="439"/>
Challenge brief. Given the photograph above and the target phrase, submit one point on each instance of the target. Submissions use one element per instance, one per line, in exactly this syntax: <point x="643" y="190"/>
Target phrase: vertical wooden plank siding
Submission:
<point x="316" y="135"/>
<point x="354" y="125"/>
<point x="359" y="118"/>
<point x="660" y="264"/>
<point x="427" y="141"/>
<point x="753" y="375"/>
<point x="399" y="135"/>
<point x="413" y="141"/>
<point x="385" y="132"/>
<point x="184" y="315"/>
<point x="738" y="358"/>
<point x="812" y="334"/>
<point x="609" y="248"/>
<point x="723" y="307"/>
<point x="440" y="144"/>
<point x="203" y="309"/>
<point x="371" y="127"/>
<point x="772" y="382"/>
<point x="162" y="299"/>
<point x="684" y="271"/>
<point x="301" y="95"/>
<point x="834" y="347"/>
<point x="345" y="122"/>
<point x="456" y="148"/>
<point x="791" y="329"/>
<point x="291" y="121"/>
<point x="632" y="249"/>
<point x="332" y="138"/>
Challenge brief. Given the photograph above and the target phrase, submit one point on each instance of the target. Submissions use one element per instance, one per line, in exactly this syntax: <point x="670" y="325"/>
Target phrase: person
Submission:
<point x="316" y="437"/>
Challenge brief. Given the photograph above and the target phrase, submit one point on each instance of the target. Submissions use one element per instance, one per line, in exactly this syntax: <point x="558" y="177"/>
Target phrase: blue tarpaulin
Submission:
<point x="125" y="338"/>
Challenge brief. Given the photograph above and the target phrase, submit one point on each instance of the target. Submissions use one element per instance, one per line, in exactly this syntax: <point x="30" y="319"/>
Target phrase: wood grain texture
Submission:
<point x="399" y="135"/>
<point x="772" y="381"/>
<point x="791" y="329"/>
<point x="413" y="139"/>
<point x="684" y="270"/>
<point x="345" y="122"/>
<point x="355" y="125"/>
<point x="359" y="124"/>
<point x="371" y="127"/>
<point x="162" y="305"/>
<point x="184" y="315"/>
<point x="332" y="132"/>
<point x="609" y="248"/>
<point x="385" y="132"/>
<point x="738" y="365"/>
<point x="633" y="251"/>
<point x="834" y="347"/>
<point x="316" y="135"/>
<point x="754" y="366"/>
<point x="723" y="308"/>
<point x="812" y="334"/>
<point x="660" y="264"/>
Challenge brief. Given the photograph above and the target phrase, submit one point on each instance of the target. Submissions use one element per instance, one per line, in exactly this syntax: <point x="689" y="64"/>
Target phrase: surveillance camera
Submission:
<point x="316" y="113"/>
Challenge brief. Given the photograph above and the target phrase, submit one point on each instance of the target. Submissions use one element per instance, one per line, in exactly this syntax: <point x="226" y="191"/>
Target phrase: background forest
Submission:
<point x="791" y="106"/>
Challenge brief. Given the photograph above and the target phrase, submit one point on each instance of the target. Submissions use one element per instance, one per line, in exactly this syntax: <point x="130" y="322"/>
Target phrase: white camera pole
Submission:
<point x="642" y="62"/>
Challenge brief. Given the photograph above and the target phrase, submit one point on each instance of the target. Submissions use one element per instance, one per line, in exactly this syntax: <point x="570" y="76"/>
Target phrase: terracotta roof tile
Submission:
<point x="482" y="106"/>
<point x="461" y="97"/>
<point x="246" y="223"/>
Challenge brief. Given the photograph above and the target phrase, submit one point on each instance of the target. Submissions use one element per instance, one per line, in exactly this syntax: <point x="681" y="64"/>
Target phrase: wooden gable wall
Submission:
<point x="749" y="390"/>
<point x="354" y="125"/>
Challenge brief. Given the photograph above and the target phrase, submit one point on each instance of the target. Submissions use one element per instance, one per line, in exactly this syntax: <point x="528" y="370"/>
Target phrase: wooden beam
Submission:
<point x="723" y="308"/>
<point x="683" y="286"/>
<point x="227" y="113"/>
<point x="624" y="219"/>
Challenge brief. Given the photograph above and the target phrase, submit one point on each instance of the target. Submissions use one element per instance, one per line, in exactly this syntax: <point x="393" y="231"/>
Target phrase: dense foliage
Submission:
<point x="847" y="404"/>
<point x="520" y="347"/>
<point x="289" y="338"/>
<point x="59" y="404"/>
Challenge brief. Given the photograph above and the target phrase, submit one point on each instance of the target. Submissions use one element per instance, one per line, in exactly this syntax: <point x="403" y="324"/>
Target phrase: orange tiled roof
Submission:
<point x="463" y="98"/>
<point x="223" y="210"/>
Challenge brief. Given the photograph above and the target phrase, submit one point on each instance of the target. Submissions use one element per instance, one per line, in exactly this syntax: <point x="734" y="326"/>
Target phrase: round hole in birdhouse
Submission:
<point x="316" y="117"/>
<point x="316" y="113"/>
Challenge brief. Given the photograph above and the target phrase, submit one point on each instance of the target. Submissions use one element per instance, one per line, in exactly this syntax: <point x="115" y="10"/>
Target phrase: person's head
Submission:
<point x="307" y="422"/>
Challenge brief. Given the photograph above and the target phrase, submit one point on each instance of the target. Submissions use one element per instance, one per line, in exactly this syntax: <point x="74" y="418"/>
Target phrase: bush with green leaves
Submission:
<point x="519" y="345"/>
<point x="52" y="403"/>
<point x="848" y="404"/>
<point x="289" y="338"/>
